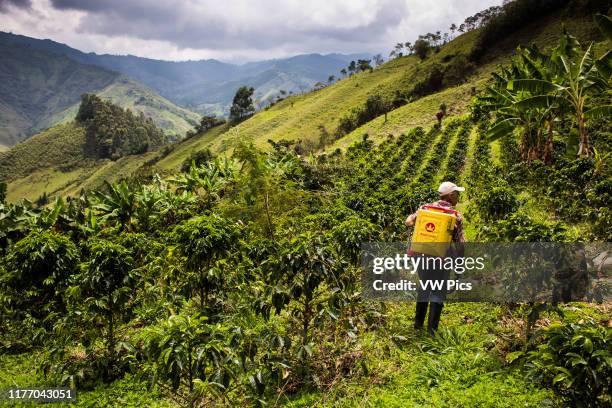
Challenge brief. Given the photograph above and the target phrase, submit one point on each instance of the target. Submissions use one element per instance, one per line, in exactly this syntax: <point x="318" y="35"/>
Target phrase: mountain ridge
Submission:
<point x="168" y="78"/>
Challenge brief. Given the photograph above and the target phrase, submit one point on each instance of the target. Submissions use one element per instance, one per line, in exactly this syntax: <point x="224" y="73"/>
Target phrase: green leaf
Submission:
<point x="501" y="129"/>
<point x="604" y="65"/>
<point x="536" y="86"/>
<point x="559" y="378"/>
<point x="588" y="345"/>
<point x="511" y="357"/>
<point x="572" y="143"/>
<point x="599" y="112"/>
<point x="538" y="102"/>
<point x="604" y="23"/>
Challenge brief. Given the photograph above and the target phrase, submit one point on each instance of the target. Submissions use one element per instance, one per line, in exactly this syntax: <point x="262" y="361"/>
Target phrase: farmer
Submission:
<point x="449" y="196"/>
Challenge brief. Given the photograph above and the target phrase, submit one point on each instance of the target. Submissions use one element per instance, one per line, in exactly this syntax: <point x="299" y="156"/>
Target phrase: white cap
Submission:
<point x="447" y="187"/>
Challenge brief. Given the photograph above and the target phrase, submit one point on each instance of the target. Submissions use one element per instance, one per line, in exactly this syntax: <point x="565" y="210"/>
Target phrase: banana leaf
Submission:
<point x="605" y="25"/>
<point x="533" y="85"/>
<point x="501" y="129"/>
<point x="604" y="65"/>
<point x="538" y="102"/>
<point x="599" y="112"/>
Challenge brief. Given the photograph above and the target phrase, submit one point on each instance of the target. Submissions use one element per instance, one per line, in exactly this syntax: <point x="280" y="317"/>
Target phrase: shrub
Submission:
<point x="198" y="158"/>
<point x="576" y="362"/>
<point x="496" y="203"/>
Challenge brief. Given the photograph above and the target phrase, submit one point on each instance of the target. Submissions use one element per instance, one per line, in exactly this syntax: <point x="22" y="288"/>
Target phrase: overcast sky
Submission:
<point x="232" y="30"/>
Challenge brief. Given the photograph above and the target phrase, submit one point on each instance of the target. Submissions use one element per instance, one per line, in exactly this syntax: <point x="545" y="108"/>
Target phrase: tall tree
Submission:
<point x="421" y="47"/>
<point x="242" y="105"/>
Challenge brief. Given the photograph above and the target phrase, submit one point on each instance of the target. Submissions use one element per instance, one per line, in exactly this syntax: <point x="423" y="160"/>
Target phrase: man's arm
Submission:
<point x="410" y="220"/>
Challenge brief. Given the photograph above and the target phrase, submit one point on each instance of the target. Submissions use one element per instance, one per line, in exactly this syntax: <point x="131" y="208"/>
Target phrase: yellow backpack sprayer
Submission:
<point x="433" y="231"/>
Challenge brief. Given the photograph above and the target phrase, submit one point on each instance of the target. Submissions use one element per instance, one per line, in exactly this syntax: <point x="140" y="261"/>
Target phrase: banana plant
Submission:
<point x="117" y="205"/>
<point x="575" y="77"/>
<point x="510" y="113"/>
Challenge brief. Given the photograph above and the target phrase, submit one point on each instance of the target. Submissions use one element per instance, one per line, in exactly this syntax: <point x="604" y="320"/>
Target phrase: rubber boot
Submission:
<point x="419" y="316"/>
<point x="435" y="310"/>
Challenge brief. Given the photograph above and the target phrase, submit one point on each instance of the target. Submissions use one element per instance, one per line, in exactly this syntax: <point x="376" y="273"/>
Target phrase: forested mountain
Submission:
<point x="206" y="85"/>
<point x="35" y="86"/>
<point x="39" y="89"/>
<point x="331" y="114"/>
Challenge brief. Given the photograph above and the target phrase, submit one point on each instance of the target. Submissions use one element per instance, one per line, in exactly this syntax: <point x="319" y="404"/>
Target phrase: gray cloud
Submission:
<point x="233" y="29"/>
<point x="5" y="4"/>
<point x="239" y="24"/>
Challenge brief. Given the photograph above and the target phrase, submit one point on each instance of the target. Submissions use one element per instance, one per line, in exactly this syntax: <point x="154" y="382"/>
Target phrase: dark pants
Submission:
<point x="430" y="296"/>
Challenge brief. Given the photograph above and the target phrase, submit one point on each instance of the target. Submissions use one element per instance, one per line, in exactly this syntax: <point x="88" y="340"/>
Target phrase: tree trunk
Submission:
<point x="584" y="149"/>
<point x="523" y="147"/>
<point x="307" y="311"/>
<point x="306" y="321"/>
<point x="548" y="150"/>
<point x="190" y="368"/>
<point x="110" y="345"/>
<point x="270" y="226"/>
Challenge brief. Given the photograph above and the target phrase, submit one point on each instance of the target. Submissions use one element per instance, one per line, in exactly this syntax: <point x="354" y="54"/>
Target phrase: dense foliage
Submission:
<point x="113" y="132"/>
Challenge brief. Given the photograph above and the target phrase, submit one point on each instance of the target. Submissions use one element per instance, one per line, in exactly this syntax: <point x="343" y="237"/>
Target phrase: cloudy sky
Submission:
<point x="232" y="30"/>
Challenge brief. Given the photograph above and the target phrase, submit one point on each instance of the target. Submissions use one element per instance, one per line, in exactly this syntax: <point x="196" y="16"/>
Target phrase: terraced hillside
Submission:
<point x="301" y="117"/>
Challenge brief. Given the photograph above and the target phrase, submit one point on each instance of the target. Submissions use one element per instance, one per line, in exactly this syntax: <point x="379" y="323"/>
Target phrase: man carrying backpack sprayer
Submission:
<point x="437" y="226"/>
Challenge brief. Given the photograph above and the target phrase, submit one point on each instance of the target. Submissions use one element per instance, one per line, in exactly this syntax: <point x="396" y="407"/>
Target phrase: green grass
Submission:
<point x="61" y="146"/>
<point x="182" y="150"/>
<point x="460" y="367"/>
<point x="20" y="370"/>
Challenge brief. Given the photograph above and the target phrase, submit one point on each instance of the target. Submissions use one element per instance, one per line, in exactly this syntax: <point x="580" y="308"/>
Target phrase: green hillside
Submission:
<point x="40" y="89"/>
<point x="35" y="86"/>
<point x="303" y="116"/>
<point x="300" y="117"/>
<point x="53" y="162"/>
<point x="174" y="120"/>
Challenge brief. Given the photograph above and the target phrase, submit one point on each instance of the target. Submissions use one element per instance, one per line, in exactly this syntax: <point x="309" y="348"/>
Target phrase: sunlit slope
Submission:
<point x="421" y="112"/>
<point x="53" y="162"/>
<point x="300" y="117"/>
<point x="172" y="119"/>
